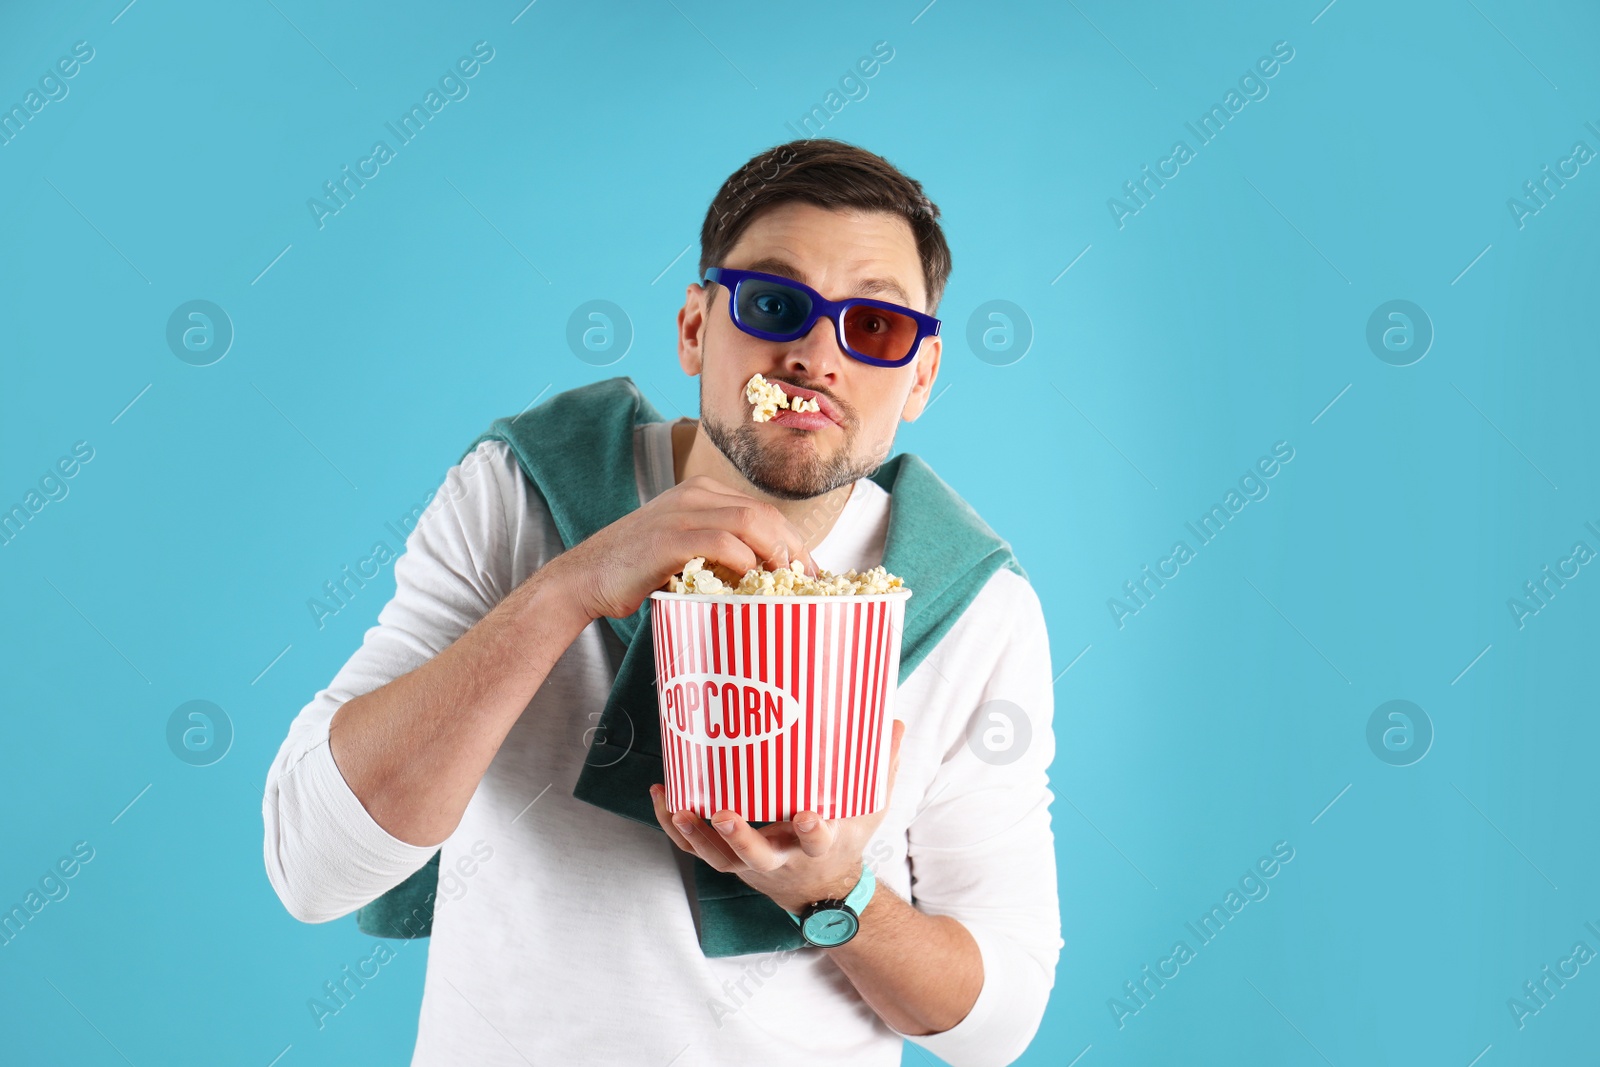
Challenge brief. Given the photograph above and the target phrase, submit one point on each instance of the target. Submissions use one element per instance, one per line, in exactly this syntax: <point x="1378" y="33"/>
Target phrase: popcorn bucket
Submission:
<point x="773" y="705"/>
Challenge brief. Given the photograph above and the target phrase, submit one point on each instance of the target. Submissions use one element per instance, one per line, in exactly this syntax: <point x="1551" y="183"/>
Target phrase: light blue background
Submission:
<point x="1223" y="317"/>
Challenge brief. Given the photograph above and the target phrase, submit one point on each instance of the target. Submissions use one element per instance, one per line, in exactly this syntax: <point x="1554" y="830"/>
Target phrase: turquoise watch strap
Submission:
<point x="858" y="898"/>
<point x="862" y="893"/>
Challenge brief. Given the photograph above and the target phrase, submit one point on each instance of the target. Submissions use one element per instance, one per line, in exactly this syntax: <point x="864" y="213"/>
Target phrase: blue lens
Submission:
<point x="772" y="307"/>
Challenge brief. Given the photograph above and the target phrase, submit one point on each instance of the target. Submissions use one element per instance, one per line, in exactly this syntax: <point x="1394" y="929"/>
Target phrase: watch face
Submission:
<point x="830" y="926"/>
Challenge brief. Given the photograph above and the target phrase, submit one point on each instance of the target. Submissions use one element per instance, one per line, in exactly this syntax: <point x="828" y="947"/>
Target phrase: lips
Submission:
<point x="829" y="408"/>
<point x="803" y="420"/>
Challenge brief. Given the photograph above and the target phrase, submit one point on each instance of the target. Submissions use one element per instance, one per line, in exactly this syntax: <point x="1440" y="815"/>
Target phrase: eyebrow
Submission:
<point x="867" y="287"/>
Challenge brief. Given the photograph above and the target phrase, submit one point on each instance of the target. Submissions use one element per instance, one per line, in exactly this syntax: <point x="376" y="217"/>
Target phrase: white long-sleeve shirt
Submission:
<point x="564" y="933"/>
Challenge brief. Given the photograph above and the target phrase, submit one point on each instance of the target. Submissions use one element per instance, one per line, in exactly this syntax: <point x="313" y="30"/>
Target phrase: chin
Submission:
<point x="787" y="486"/>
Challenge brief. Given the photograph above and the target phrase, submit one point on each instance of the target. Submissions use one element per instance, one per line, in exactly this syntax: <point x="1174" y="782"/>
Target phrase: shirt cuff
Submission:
<point x="1007" y="1013"/>
<point x="335" y="796"/>
<point x="346" y="860"/>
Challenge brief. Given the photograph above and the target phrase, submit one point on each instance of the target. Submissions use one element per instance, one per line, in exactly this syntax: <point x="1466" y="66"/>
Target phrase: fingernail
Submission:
<point x="685" y="827"/>
<point x="725" y="827"/>
<point x="806" y="824"/>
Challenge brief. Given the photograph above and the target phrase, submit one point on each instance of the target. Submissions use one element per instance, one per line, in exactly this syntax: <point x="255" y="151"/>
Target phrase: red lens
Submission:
<point x="879" y="332"/>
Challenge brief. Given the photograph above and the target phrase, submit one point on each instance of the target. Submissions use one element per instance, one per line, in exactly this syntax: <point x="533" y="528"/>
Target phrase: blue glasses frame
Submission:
<point x="927" y="325"/>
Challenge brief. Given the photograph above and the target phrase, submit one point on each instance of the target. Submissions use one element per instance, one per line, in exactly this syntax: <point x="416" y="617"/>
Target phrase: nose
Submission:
<point x="816" y="356"/>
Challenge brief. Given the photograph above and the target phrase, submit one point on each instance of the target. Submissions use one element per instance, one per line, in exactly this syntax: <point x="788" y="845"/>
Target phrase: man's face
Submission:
<point x="837" y="253"/>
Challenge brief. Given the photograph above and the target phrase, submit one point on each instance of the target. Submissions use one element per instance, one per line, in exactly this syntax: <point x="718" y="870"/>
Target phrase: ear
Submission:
<point x="692" y="320"/>
<point x="926" y="367"/>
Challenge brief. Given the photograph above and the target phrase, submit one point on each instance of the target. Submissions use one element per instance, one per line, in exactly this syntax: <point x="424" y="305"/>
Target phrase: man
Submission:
<point x="563" y="933"/>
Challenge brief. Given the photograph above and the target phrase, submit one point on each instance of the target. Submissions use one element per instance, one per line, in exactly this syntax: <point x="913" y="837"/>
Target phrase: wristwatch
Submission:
<point x="830" y="923"/>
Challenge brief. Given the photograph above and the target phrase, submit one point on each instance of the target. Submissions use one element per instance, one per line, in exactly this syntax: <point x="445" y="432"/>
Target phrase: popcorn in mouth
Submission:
<point x="768" y="398"/>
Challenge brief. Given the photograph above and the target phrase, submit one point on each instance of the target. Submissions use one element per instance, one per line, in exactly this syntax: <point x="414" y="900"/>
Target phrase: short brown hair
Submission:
<point x="830" y="174"/>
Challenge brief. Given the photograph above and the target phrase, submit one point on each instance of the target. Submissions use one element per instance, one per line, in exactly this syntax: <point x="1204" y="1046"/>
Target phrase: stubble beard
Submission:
<point x="785" y="469"/>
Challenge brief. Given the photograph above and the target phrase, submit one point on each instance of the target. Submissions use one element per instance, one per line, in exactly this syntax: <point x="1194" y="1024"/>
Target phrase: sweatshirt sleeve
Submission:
<point x="325" y="855"/>
<point x="981" y="846"/>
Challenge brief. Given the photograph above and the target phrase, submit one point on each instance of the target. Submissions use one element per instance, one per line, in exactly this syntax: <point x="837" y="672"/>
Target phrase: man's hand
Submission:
<point x="794" y="862"/>
<point x="612" y="572"/>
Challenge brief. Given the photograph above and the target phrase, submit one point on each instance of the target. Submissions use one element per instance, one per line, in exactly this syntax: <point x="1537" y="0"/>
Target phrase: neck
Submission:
<point x="694" y="453"/>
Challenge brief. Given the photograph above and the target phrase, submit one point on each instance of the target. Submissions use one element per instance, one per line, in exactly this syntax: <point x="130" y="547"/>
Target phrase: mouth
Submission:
<point x="802" y="420"/>
<point x="829" y="415"/>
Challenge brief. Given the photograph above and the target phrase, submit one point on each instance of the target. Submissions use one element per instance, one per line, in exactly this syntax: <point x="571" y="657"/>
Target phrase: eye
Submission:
<point x="873" y="323"/>
<point x="771" y="304"/>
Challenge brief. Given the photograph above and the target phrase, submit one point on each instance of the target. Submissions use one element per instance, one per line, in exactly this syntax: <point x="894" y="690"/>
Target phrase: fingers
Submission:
<point x="769" y="533"/>
<point x="751" y="847"/>
<point x="811" y="564"/>
<point x="742" y="537"/>
<point x="814" y="833"/>
<point x="765" y="537"/>
<point x="658" y="797"/>
<point x="728" y="549"/>
<point x="764" y="528"/>
<point x="692" y="834"/>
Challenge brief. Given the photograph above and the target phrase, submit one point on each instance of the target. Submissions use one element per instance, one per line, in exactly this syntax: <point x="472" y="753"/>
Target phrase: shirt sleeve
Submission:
<point x="325" y="855"/>
<point x="981" y="846"/>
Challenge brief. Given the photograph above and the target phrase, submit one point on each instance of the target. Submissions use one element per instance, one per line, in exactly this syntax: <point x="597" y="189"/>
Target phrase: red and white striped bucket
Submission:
<point x="773" y="705"/>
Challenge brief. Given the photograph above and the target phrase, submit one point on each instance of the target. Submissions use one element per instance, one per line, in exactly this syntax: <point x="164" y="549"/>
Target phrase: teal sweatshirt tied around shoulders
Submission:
<point x="577" y="451"/>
